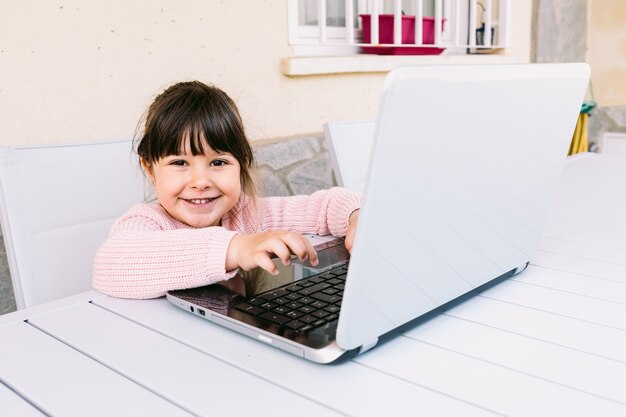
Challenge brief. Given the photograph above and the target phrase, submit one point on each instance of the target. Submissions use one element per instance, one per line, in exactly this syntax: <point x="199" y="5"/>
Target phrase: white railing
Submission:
<point x="452" y="25"/>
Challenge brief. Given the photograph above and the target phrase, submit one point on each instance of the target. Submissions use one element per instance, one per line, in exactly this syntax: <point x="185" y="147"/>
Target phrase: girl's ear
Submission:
<point x="147" y="169"/>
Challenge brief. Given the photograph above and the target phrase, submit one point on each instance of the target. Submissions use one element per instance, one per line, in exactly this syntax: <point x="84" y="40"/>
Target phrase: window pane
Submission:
<point x="408" y="9"/>
<point x="307" y="12"/>
<point x="335" y="12"/>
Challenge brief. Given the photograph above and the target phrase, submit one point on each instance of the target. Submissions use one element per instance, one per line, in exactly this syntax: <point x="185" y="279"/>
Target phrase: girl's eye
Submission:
<point x="218" y="163"/>
<point x="178" y="162"/>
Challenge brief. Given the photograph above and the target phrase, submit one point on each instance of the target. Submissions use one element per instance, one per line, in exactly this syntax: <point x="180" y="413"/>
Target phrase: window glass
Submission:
<point x="335" y="12"/>
<point x="428" y="7"/>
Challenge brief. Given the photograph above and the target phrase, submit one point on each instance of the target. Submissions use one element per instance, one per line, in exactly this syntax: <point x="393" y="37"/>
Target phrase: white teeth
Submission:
<point x="201" y="201"/>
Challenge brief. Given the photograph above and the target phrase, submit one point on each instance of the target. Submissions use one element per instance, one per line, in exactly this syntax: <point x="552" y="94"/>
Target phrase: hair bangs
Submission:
<point x="208" y="126"/>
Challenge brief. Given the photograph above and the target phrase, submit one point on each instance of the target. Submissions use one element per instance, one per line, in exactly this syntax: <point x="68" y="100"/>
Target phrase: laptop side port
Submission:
<point x="201" y="311"/>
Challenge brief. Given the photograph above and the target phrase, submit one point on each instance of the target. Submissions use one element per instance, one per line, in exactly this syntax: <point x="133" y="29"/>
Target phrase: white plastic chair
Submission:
<point x="350" y="146"/>
<point x="57" y="205"/>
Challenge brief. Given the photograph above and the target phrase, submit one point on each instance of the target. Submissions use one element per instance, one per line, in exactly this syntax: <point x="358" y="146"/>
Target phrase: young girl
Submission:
<point x="207" y="222"/>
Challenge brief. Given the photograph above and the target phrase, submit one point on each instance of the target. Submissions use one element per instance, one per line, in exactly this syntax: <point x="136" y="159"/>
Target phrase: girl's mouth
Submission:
<point x="201" y="200"/>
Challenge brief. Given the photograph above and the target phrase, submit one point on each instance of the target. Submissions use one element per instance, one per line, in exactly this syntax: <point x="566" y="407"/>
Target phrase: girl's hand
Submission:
<point x="352" y="222"/>
<point x="256" y="250"/>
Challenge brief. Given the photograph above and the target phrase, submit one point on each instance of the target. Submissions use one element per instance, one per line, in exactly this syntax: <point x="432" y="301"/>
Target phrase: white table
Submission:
<point x="550" y="341"/>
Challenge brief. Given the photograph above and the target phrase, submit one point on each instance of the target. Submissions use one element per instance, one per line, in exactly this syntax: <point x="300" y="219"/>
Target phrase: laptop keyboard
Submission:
<point x="302" y="305"/>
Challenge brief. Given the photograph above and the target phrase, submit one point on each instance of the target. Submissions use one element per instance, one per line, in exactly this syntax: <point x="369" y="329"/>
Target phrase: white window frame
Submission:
<point x="311" y="40"/>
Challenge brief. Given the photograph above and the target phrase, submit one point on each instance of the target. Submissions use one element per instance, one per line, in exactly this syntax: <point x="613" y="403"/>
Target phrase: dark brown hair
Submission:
<point x="203" y="114"/>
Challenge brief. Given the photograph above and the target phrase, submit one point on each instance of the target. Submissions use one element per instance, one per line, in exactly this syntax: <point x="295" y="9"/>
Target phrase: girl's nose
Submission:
<point x="201" y="179"/>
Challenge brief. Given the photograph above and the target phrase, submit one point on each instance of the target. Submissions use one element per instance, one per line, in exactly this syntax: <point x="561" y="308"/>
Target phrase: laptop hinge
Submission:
<point x="520" y="268"/>
<point x="367" y="346"/>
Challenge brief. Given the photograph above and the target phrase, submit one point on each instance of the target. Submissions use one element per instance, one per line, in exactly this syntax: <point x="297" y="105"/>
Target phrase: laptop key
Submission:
<point x="250" y="309"/>
<point x="281" y="300"/>
<point x="320" y="314"/>
<point x="318" y="323"/>
<point x="331" y="299"/>
<point x="280" y="310"/>
<point x="306" y="309"/>
<point x="332" y="317"/>
<point x="318" y="304"/>
<point x="332" y="309"/>
<point x="274" y="318"/>
<point x="294" y="305"/>
<point x="256" y="301"/>
<point x="294" y="315"/>
<point x="330" y="291"/>
<point x="275" y="294"/>
<point x="308" y="319"/>
<point x="315" y="288"/>
<point x="295" y="325"/>
<point x="268" y="306"/>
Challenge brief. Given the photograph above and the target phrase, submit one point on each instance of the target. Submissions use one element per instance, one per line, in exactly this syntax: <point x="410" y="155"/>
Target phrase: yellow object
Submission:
<point x="580" y="140"/>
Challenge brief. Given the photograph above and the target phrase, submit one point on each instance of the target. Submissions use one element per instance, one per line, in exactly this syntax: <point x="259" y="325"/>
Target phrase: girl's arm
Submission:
<point x="323" y="212"/>
<point x="145" y="256"/>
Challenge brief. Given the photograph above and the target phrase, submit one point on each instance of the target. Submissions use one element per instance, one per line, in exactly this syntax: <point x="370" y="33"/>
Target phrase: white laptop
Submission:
<point x="465" y="163"/>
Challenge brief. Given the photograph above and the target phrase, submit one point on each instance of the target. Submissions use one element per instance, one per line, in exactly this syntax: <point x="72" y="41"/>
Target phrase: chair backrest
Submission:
<point x="614" y="143"/>
<point x="350" y="146"/>
<point x="57" y="205"/>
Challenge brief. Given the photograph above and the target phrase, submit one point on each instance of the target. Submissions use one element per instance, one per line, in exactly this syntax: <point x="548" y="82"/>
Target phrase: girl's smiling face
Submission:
<point x="196" y="189"/>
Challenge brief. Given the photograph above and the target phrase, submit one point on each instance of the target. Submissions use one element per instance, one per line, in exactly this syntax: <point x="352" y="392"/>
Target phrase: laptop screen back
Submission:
<point x="464" y="167"/>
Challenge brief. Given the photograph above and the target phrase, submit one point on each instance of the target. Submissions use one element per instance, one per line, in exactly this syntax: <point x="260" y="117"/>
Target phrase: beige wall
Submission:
<point x="86" y="70"/>
<point x="606" y="40"/>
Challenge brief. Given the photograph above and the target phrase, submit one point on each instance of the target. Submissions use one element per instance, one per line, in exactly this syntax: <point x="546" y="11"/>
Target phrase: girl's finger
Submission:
<point x="278" y="247"/>
<point x="263" y="260"/>
<point x="297" y="245"/>
<point x="311" y="253"/>
<point x="349" y="240"/>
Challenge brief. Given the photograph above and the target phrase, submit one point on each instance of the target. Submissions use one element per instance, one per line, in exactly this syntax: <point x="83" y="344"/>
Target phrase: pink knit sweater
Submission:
<point x="148" y="252"/>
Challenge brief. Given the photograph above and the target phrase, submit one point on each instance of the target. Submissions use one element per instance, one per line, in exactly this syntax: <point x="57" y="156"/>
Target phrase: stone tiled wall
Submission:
<point x="7" y="301"/>
<point x="299" y="165"/>
<point x="295" y="166"/>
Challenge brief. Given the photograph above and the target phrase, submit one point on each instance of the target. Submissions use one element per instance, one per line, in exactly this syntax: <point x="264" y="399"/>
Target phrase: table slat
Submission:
<point x="14" y="405"/>
<point x="62" y="381"/>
